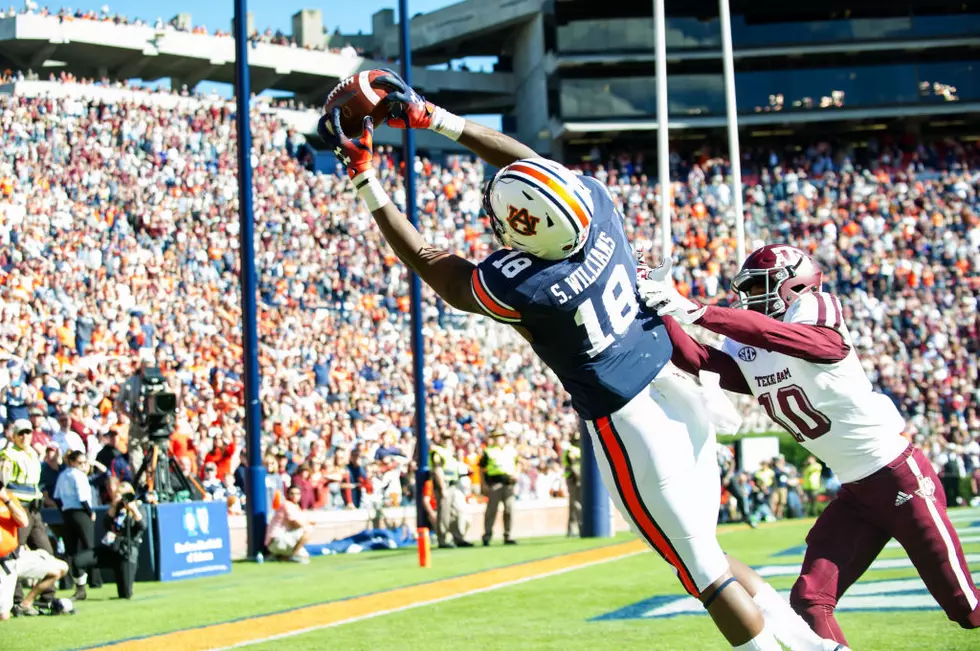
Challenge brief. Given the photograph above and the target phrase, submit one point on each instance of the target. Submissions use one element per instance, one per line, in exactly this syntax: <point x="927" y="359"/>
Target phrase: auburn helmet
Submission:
<point x="540" y="207"/>
<point x="774" y="276"/>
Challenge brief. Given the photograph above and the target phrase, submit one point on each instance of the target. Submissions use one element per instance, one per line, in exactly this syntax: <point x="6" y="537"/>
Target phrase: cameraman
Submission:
<point x="119" y="549"/>
<point x="129" y="403"/>
<point x="134" y="400"/>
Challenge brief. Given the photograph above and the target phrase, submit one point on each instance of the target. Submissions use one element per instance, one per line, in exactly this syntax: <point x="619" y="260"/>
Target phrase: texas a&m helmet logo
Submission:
<point x="523" y="222"/>
<point x="746" y="354"/>
<point x="785" y="255"/>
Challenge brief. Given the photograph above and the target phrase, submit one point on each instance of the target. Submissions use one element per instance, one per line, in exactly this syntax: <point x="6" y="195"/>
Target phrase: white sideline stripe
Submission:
<point x="954" y="561"/>
<point x="399" y="609"/>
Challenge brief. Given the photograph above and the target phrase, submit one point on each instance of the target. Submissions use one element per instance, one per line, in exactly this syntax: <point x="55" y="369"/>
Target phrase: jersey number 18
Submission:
<point x="619" y="304"/>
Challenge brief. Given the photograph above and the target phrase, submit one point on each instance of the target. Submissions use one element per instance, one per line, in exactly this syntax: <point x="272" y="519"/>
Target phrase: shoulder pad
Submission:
<point x="816" y="308"/>
<point x="495" y="283"/>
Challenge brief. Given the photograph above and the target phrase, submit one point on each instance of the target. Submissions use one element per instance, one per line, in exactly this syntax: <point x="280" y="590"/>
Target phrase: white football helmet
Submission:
<point x="540" y="207"/>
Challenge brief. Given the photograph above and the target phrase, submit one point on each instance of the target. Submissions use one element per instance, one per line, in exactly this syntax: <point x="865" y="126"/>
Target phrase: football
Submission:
<point x="357" y="96"/>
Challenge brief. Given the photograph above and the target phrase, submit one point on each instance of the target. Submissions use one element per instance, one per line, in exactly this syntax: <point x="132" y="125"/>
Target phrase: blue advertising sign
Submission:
<point x="193" y="540"/>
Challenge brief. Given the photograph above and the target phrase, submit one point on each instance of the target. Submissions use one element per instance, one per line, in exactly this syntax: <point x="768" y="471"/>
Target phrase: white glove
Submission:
<point x="657" y="290"/>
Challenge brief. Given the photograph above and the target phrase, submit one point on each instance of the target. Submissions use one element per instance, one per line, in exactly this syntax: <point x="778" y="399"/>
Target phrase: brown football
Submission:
<point x="357" y="96"/>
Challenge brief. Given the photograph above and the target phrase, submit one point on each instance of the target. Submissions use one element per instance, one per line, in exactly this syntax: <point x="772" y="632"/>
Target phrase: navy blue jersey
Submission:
<point x="582" y="313"/>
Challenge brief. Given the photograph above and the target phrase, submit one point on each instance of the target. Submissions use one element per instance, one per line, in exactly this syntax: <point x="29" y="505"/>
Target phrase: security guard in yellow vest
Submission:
<point x="572" y="460"/>
<point x="20" y="472"/>
<point x="812" y="472"/>
<point x="499" y="467"/>
<point x="446" y="472"/>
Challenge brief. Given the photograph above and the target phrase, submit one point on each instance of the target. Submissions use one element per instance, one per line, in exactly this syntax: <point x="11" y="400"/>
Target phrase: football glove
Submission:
<point x="409" y="110"/>
<point x="657" y="291"/>
<point x="406" y="108"/>
<point x="356" y="154"/>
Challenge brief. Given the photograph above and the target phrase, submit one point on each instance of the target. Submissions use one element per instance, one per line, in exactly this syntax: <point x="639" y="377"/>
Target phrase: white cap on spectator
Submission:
<point x="23" y="425"/>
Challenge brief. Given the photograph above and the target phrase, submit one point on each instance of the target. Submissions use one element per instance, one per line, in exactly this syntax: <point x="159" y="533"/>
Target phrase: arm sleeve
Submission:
<point x="692" y="357"/>
<point x="811" y="342"/>
<point x="493" y="291"/>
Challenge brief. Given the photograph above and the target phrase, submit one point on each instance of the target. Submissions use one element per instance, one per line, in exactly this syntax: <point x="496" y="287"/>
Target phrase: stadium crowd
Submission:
<point x="105" y="15"/>
<point x="118" y="237"/>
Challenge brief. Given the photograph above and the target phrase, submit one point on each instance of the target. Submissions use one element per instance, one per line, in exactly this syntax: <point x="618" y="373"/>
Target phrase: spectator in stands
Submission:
<point x="113" y="458"/>
<point x="209" y="481"/>
<point x="894" y="224"/>
<point x="301" y="480"/>
<point x="51" y="468"/>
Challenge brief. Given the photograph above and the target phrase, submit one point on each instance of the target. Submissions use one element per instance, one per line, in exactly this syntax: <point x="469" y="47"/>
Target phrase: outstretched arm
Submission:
<point x="811" y="343"/>
<point x="492" y="146"/>
<point x="448" y="274"/>
<point x="808" y="332"/>
<point x="692" y="356"/>
<point x="409" y="110"/>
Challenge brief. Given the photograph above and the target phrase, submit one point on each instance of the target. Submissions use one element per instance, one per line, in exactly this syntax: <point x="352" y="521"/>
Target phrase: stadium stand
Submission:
<point x="118" y="232"/>
<point x="267" y="36"/>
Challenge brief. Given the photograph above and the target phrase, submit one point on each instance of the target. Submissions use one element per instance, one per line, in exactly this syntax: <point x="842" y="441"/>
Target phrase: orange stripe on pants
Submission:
<point x="626" y="484"/>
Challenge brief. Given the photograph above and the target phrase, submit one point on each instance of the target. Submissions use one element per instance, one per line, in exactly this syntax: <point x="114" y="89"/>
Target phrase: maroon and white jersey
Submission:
<point x="829" y="406"/>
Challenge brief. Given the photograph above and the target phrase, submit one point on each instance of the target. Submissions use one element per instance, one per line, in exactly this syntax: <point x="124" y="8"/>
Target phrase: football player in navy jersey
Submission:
<point x="566" y="281"/>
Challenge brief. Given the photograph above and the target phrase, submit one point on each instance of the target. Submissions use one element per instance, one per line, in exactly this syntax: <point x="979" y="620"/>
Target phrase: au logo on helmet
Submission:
<point x="523" y="222"/>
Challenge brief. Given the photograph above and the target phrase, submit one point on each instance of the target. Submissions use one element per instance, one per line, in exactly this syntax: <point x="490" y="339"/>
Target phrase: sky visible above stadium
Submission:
<point x="351" y="17"/>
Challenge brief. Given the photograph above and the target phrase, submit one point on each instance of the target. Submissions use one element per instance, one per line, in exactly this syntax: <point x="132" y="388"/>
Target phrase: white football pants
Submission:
<point x="658" y="459"/>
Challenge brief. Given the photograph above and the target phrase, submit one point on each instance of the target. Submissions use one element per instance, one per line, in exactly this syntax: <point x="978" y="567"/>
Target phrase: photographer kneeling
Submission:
<point x="119" y="549"/>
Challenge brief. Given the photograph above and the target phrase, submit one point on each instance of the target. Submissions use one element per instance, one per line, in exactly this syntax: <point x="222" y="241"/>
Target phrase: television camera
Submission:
<point x="155" y="409"/>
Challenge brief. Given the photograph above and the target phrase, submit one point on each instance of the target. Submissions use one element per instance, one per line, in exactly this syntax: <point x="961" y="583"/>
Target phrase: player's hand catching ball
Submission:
<point x="356" y="154"/>
<point x="656" y="289"/>
<point x="409" y="110"/>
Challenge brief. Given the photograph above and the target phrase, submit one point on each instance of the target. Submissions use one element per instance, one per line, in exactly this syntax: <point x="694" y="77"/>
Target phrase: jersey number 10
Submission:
<point x="792" y="410"/>
<point x="619" y="304"/>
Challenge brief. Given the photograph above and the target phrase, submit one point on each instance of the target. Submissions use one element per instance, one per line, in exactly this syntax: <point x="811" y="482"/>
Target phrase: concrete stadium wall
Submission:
<point x="531" y="519"/>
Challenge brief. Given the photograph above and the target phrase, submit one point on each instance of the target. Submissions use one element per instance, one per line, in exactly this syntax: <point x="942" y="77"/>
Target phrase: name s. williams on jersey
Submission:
<point x="588" y="272"/>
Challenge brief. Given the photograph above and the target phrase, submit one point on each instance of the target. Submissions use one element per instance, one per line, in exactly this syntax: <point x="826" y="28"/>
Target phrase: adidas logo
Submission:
<point x="902" y="498"/>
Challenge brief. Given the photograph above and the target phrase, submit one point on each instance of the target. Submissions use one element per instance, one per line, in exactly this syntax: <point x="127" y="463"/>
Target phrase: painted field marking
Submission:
<point x="868" y="596"/>
<point x="276" y="626"/>
<point x="793" y="569"/>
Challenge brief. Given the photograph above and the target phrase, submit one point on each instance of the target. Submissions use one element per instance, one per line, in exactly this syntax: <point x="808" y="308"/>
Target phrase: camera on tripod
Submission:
<point x="157" y="405"/>
<point x="155" y="414"/>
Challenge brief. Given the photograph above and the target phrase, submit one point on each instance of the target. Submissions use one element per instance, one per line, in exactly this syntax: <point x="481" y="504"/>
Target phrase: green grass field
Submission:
<point x="587" y="608"/>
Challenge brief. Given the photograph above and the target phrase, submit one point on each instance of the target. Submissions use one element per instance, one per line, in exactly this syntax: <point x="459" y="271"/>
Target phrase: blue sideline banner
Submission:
<point x="192" y="540"/>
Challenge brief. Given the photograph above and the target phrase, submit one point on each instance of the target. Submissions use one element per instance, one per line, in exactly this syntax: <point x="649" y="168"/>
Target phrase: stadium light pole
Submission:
<point x="415" y="293"/>
<point x="731" y="114"/>
<point x="663" y="133"/>
<point x="256" y="502"/>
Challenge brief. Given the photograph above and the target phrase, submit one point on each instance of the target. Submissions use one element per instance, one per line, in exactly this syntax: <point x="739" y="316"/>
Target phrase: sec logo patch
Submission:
<point x="747" y="354"/>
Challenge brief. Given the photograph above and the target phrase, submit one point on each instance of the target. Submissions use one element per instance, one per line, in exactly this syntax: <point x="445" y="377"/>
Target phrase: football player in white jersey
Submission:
<point x="790" y="349"/>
